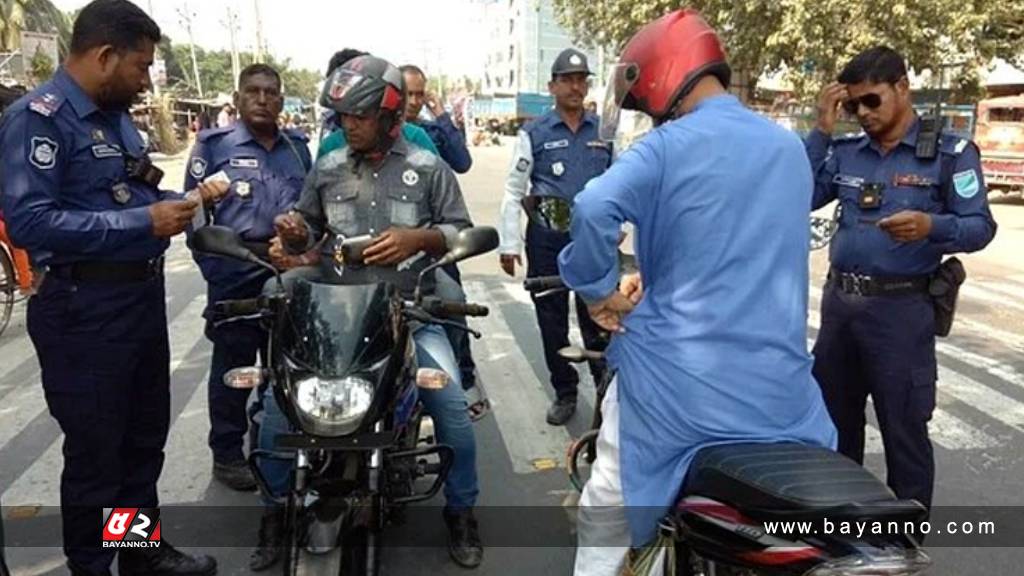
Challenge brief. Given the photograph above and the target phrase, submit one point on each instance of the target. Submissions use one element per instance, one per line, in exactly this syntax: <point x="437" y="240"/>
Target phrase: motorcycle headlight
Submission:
<point x="332" y="407"/>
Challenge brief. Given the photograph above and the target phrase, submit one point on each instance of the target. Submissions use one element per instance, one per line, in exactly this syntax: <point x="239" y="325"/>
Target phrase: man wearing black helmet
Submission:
<point x="409" y="200"/>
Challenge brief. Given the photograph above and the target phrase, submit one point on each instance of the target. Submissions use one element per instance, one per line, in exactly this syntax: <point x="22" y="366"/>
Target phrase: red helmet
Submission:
<point x="662" y="62"/>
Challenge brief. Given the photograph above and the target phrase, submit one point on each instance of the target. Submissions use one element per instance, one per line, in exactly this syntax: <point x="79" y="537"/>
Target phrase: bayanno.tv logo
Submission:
<point x="132" y="528"/>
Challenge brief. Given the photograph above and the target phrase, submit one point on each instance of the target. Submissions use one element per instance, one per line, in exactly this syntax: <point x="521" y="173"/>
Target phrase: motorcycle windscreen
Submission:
<point x="337" y="330"/>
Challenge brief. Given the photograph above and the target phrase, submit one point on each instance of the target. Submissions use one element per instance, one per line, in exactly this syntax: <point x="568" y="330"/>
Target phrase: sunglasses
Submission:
<point x="872" y="101"/>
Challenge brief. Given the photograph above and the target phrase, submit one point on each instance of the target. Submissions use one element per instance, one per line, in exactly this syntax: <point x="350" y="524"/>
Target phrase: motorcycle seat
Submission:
<point x="792" y="481"/>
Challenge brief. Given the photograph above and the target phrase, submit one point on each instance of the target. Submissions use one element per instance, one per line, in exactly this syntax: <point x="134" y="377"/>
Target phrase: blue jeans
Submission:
<point x="446" y="406"/>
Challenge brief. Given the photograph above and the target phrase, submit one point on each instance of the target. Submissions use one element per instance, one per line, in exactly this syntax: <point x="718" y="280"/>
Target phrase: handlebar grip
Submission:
<point x="232" y="308"/>
<point x="438" y="307"/>
<point x="542" y="283"/>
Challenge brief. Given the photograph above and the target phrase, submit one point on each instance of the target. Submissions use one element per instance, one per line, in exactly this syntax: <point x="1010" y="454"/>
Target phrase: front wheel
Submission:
<point x="361" y="546"/>
<point x="8" y="288"/>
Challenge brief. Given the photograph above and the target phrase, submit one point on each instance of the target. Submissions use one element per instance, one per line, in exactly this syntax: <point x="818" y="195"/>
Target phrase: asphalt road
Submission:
<point x="978" y="426"/>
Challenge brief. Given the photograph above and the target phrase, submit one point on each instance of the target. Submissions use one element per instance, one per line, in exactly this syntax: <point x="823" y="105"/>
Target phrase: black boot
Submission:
<point x="464" y="544"/>
<point x="235" y="475"/>
<point x="163" y="561"/>
<point x="268" y="547"/>
<point x="561" y="411"/>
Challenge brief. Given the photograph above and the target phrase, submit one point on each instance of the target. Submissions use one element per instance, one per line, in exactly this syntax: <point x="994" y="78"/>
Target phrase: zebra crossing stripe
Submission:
<point x="39" y="484"/>
<point x="516" y="394"/>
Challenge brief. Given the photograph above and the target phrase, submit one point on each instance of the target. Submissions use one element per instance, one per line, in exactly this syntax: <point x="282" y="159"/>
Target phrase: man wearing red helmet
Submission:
<point x="713" y="348"/>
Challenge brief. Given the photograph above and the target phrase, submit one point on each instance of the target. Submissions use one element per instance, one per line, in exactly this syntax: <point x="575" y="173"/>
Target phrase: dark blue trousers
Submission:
<point x="104" y="356"/>
<point x="234" y="346"/>
<point x="881" y="346"/>
<point x="542" y="248"/>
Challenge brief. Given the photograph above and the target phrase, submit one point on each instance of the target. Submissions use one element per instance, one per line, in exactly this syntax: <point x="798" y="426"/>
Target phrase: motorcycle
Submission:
<point x="342" y="367"/>
<point x="733" y="493"/>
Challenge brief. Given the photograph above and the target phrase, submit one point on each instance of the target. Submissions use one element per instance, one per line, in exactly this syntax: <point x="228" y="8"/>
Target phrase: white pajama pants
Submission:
<point x="603" y="535"/>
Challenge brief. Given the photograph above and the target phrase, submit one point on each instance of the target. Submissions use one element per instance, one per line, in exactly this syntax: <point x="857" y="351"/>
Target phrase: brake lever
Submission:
<point x="550" y="292"/>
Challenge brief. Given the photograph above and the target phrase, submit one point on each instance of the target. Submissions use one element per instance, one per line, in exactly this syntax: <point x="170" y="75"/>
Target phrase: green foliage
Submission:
<point x="42" y="67"/>
<point x="218" y="76"/>
<point x="813" y="39"/>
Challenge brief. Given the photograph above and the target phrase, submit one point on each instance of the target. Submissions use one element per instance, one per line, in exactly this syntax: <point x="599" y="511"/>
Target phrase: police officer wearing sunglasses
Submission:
<point x="908" y="196"/>
<point x="555" y="156"/>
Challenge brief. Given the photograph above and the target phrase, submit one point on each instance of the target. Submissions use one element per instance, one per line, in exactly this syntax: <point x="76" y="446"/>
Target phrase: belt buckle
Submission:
<point x="855" y="284"/>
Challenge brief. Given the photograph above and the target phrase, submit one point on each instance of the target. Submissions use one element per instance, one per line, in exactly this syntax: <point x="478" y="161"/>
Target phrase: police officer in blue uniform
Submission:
<point x="266" y="167"/>
<point x="906" y="199"/>
<point x="554" y="158"/>
<point x="80" y="195"/>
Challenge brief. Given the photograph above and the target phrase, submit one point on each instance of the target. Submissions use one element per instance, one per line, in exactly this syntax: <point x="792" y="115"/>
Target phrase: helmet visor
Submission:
<point x="340" y="85"/>
<point x="622" y="79"/>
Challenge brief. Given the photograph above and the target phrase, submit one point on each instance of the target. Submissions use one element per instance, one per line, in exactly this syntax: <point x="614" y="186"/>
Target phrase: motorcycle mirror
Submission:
<point x="471" y="242"/>
<point x="221" y="241"/>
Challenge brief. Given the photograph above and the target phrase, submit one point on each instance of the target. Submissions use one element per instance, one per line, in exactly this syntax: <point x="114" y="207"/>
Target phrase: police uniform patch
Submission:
<point x="243" y="189"/>
<point x="106" y="151"/>
<point x="44" y="153"/>
<point x="966" y="183"/>
<point x="197" y="168"/>
<point x="245" y="163"/>
<point x="556" y="144"/>
<point x="960" y="146"/>
<point x="558" y="168"/>
<point x="45" y="105"/>
<point x="522" y="165"/>
<point x="844" y="180"/>
<point x="121" y="193"/>
<point x="98" y="136"/>
<point x="410" y="177"/>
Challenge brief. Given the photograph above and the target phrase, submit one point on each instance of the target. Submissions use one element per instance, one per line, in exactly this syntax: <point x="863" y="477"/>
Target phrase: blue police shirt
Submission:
<point x="64" y="185"/>
<point x="450" y="142"/>
<point x="263" y="184"/>
<point x="950" y="188"/>
<point x="563" y="160"/>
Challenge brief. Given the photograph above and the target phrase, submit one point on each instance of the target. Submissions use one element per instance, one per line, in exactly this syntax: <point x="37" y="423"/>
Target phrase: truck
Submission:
<point x="507" y="114"/>
<point x="1000" y="137"/>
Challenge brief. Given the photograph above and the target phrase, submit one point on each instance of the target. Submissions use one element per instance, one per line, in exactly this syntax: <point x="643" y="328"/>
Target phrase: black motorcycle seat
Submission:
<point x="789" y="480"/>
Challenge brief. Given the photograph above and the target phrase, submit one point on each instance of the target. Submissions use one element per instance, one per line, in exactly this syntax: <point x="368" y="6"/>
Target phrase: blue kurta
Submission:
<point x="716" y="352"/>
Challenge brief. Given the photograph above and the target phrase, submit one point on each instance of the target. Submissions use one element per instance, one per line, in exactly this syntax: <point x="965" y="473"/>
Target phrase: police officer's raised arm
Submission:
<point x="453" y="146"/>
<point x="819" y="144"/>
<point x="967" y="225"/>
<point x="516" y="186"/>
<point x="32" y="163"/>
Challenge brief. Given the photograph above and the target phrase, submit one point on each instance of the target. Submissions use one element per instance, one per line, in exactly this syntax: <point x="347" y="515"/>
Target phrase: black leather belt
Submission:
<point x="110" y="272"/>
<point x="864" y="285"/>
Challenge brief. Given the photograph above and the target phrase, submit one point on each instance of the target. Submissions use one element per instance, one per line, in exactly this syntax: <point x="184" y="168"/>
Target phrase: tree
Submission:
<point x="17" y="16"/>
<point x="42" y="66"/>
<point x="812" y="39"/>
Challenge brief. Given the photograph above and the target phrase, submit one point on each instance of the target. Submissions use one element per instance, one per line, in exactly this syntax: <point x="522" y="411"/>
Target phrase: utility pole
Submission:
<point x="186" y="18"/>
<point x="156" y="85"/>
<point x="232" y="26"/>
<point x="259" y="32"/>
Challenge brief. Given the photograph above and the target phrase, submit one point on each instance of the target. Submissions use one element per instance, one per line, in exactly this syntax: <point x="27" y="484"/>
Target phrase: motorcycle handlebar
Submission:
<point x="234" y="308"/>
<point x="438" y="307"/>
<point x="542" y="283"/>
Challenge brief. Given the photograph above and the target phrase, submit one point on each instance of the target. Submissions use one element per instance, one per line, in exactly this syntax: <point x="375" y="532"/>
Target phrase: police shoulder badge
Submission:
<point x="44" y="153"/>
<point x="410" y="177"/>
<point x="197" y="167"/>
<point x="558" y="168"/>
<point x="121" y="193"/>
<point x="966" y="183"/>
<point x="46" y="104"/>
